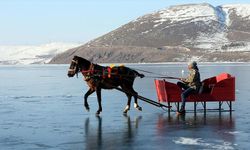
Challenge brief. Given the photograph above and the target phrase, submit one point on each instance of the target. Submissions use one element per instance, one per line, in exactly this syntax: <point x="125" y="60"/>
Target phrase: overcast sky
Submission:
<point x="44" y="21"/>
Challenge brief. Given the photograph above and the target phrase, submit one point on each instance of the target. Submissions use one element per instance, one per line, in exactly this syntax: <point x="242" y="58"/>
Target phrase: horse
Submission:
<point x="102" y="77"/>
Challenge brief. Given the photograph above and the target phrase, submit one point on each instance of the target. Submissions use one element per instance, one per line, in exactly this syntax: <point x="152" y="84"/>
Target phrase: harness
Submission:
<point x="88" y="74"/>
<point x="104" y="73"/>
<point x="95" y="74"/>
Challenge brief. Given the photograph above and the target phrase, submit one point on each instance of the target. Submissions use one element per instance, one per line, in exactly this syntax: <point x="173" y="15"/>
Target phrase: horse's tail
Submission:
<point x="139" y="74"/>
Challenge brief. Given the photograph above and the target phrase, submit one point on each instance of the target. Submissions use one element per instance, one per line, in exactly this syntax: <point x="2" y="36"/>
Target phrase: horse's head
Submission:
<point x="74" y="67"/>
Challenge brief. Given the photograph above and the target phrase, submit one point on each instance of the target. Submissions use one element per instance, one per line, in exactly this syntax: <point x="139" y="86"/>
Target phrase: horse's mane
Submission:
<point x="82" y="60"/>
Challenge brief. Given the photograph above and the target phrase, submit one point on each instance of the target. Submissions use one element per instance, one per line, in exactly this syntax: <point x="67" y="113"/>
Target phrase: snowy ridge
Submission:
<point x="199" y="12"/>
<point x="187" y="12"/>
<point x="242" y="10"/>
<point x="33" y="54"/>
<point x="182" y="14"/>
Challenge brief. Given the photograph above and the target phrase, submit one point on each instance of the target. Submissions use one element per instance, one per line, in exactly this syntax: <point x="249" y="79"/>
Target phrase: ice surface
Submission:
<point x="41" y="108"/>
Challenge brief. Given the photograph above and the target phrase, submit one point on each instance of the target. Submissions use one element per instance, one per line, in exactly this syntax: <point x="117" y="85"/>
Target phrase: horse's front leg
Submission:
<point x="99" y="98"/>
<point x="89" y="92"/>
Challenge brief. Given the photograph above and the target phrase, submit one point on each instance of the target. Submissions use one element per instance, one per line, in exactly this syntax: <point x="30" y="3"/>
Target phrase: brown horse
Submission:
<point x="100" y="77"/>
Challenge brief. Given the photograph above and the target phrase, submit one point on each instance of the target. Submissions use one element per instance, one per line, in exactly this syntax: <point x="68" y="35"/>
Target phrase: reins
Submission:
<point x="115" y="74"/>
<point x="96" y="73"/>
<point x="149" y="72"/>
<point x="101" y="73"/>
<point x="157" y="75"/>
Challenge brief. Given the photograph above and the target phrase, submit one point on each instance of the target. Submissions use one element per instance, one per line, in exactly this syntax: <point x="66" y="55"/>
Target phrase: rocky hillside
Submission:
<point x="177" y="33"/>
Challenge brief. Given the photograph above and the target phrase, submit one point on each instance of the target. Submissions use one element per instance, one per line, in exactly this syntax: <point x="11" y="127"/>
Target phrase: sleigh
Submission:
<point x="219" y="89"/>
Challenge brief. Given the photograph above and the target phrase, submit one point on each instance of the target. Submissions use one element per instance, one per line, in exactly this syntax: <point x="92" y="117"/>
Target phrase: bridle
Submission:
<point x="75" y="66"/>
<point x="84" y="72"/>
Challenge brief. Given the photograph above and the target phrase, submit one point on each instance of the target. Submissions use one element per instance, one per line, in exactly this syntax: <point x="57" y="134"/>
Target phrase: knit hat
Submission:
<point x="193" y="64"/>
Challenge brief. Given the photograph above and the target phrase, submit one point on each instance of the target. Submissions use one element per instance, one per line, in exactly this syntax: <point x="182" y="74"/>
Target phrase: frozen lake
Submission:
<point x="41" y="108"/>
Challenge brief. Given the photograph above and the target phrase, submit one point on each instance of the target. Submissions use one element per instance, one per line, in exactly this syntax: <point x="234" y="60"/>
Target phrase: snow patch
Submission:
<point x="239" y="48"/>
<point x="40" y="54"/>
<point x="186" y="12"/>
<point x="211" y="42"/>
<point x="188" y="141"/>
<point x="242" y="10"/>
<point x="199" y="142"/>
<point x="194" y="58"/>
<point x="223" y="17"/>
<point x="226" y="13"/>
<point x="234" y="132"/>
<point x="147" y="31"/>
<point x="156" y="25"/>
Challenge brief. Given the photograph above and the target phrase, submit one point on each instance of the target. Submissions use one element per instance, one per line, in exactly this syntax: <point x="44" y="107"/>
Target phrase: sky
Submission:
<point x="31" y="22"/>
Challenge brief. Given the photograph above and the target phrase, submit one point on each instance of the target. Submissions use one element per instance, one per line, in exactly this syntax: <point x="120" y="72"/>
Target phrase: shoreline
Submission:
<point x="158" y="63"/>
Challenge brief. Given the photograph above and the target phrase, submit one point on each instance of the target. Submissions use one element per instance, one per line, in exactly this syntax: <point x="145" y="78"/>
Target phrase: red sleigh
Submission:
<point x="220" y="89"/>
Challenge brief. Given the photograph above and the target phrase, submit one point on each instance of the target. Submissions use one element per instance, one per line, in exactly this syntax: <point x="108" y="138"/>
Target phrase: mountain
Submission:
<point x="30" y="54"/>
<point x="177" y="33"/>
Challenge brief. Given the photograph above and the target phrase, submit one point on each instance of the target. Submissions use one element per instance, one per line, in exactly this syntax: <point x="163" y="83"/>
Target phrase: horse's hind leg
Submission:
<point x="135" y="94"/>
<point x="129" y="89"/>
<point x="89" y="92"/>
<point x="128" y="104"/>
<point x="99" y="98"/>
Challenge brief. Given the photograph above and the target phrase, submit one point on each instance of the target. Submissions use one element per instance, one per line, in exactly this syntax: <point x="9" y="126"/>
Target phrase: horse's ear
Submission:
<point x="75" y="56"/>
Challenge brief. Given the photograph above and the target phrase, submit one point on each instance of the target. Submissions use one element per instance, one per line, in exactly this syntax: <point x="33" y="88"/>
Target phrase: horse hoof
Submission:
<point x="87" y="108"/>
<point x="139" y="108"/>
<point x="98" y="113"/>
<point x="125" y="111"/>
<point x="125" y="114"/>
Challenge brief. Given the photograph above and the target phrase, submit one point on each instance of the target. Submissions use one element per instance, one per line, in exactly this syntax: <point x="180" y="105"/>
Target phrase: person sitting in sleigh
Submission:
<point x="190" y="85"/>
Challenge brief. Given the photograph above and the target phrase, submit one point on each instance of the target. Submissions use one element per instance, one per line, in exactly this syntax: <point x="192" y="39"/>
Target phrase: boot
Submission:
<point x="182" y="111"/>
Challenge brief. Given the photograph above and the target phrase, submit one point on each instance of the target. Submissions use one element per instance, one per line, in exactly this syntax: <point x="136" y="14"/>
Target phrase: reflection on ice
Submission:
<point x="102" y="137"/>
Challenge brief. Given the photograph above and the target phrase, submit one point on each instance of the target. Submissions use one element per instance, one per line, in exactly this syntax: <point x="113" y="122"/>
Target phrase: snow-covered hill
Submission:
<point x="201" y="26"/>
<point x="32" y="54"/>
<point x="176" y="33"/>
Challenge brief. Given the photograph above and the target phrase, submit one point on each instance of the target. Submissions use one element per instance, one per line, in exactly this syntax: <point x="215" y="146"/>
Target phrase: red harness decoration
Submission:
<point x="106" y="72"/>
<point x="89" y="72"/>
<point x="109" y="72"/>
<point x="103" y="73"/>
